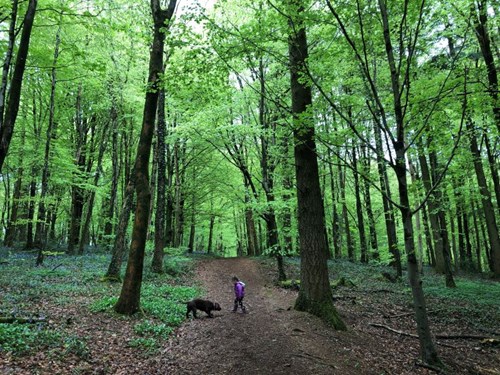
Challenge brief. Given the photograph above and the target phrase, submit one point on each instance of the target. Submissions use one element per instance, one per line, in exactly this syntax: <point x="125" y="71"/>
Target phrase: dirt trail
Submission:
<point x="271" y="338"/>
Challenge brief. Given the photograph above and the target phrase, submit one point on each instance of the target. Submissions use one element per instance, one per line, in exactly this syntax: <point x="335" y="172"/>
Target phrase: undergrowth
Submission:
<point x="474" y="301"/>
<point x="62" y="280"/>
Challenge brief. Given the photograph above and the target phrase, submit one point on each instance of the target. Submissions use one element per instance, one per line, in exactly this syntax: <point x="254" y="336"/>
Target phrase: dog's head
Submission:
<point x="216" y="306"/>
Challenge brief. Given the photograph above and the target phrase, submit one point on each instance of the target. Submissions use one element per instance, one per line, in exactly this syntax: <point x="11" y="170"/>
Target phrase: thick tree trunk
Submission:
<point x="315" y="295"/>
<point x="129" y="301"/>
<point x="9" y="120"/>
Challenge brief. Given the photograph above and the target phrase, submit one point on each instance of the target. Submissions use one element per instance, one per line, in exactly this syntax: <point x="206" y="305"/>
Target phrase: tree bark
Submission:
<point x="179" y="154"/>
<point x="161" y="186"/>
<point x="129" y="300"/>
<point x="42" y="222"/>
<point x="115" y="265"/>
<point x="8" y="58"/>
<point x="345" y="214"/>
<point x="390" y="224"/>
<point x="9" y="120"/>
<point x="315" y="295"/>
<point x="359" y="208"/>
<point x="12" y="227"/>
<point x="488" y="210"/>
<point x="368" y="204"/>
<point x="428" y="350"/>
<point x="77" y="193"/>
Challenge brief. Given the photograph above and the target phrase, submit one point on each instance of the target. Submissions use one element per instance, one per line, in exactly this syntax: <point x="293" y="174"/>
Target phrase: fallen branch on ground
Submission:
<point x="407" y="314"/>
<point x="442" y="337"/>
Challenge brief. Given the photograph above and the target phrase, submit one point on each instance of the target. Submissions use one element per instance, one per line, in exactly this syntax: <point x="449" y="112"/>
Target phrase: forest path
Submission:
<point x="271" y="338"/>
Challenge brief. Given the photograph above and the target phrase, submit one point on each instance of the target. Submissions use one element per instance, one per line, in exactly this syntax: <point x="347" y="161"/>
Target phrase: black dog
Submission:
<point x="203" y="305"/>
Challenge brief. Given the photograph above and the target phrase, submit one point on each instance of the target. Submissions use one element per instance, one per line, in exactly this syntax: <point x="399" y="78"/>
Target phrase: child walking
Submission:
<point x="239" y="293"/>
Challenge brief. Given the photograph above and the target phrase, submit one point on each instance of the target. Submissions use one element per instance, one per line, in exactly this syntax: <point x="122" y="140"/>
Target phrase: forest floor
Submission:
<point x="271" y="338"/>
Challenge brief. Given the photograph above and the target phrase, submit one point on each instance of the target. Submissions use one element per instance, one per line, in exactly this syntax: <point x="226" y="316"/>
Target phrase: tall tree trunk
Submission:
<point x="359" y="208"/>
<point x="152" y="188"/>
<point x="390" y="223"/>
<point x="30" y="241"/>
<point x="192" y="228"/>
<point x="103" y="143"/>
<point x="179" y="154"/>
<point x="77" y="193"/>
<point x="161" y="186"/>
<point x="115" y="167"/>
<point x="443" y="227"/>
<point x="35" y="168"/>
<point x="268" y="166"/>
<point x="336" y="226"/>
<point x="9" y="120"/>
<point x="368" y="204"/>
<point x="286" y="198"/>
<point x="169" y="208"/>
<point x="479" y="12"/>
<point x="9" y="52"/>
<point x="129" y="301"/>
<point x="250" y="228"/>
<point x="428" y="350"/>
<point x="315" y="295"/>
<point x="438" y="223"/>
<point x="488" y="210"/>
<point x="12" y="227"/>
<point x="428" y="238"/>
<point x="115" y="265"/>
<point x="42" y="222"/>
<point x="345" y="213"/>
<point x="211" y="233"/>
<point x="477" y="235"/>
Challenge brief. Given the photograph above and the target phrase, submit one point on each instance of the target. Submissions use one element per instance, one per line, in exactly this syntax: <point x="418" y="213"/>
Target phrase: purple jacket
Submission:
<point x="239" y="289"/>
